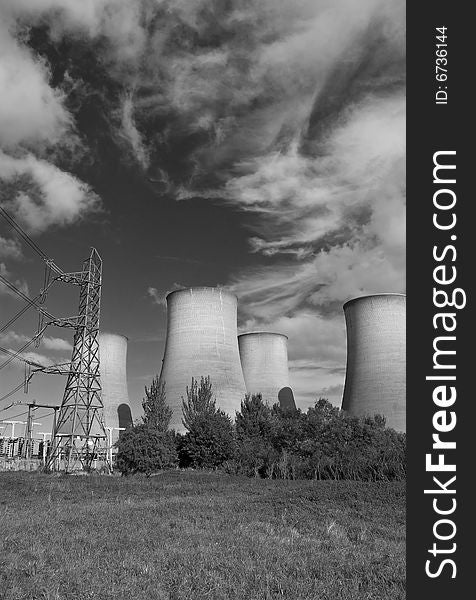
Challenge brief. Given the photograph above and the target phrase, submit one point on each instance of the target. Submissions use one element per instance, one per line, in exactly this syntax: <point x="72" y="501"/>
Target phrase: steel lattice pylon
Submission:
<point x="79" y="433"/>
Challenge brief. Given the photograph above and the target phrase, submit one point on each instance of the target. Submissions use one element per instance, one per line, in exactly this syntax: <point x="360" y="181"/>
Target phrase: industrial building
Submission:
<point x="264" y="360"/>
<point x="375" y="380"/>
<point x="202" y="341"/>
<point x="113" y="370"/>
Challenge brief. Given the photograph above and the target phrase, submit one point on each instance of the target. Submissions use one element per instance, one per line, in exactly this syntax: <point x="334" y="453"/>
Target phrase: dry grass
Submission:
<point x="186" y="535"/>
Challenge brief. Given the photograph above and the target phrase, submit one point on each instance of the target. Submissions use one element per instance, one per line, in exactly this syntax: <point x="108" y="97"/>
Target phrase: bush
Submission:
<point x="255" y="453"/>
<point x="200" y="402"/>
<point x="144" y="449"/>
<point x="208" y="443"/>
<point x="324" y="443"/>
<point x="157" y="413"/>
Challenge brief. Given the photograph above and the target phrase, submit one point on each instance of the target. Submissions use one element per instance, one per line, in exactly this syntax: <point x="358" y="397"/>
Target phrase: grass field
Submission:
<point x="189" y="535"/>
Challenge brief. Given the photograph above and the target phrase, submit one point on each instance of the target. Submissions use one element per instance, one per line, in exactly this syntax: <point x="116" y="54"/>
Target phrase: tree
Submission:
<point x="254" y="418"/>
<point x="144" y="449"/>
<point x="157" y="413"/>
<point x="255" y="453"/>
<point x="209" y="441"/>
<point x="199" y="403"/>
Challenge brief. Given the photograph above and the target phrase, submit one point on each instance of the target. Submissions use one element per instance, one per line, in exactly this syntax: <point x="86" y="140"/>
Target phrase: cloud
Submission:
<point x="34" y="121"/>
<point x="160" y="298"/>
<point x="30" y="355"/>
<point x="241" y="79"/>
<point x="56" y="344"/>
<point x="43" y="195"/>
<point x="31" y="112"/>
<point x="310" y="383"/>
<point x="291" y="111"/>
<point x="316" y="348"/>
<point x="341" y="215"/>
<point x="132" y="135"/>
<point x="294" y="113"/>
<point x="10" y="248"/>
<point x="21" y="284"/>
<point x="157" y="297"/>
<point x="47" y="342"/>
<point x="11" y="337"/>
<point x="118" y="26"/>
<point x="41" y="359"/>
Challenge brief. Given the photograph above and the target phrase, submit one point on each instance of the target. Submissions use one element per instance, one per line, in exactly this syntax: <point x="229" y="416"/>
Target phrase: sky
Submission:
<point x="258" y="145"/>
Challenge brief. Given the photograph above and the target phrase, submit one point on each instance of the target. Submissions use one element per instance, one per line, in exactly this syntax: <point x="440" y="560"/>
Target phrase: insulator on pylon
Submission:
<point x="26" y="381"/>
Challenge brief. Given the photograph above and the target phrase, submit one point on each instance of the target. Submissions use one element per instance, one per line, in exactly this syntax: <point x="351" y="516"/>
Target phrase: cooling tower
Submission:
<point x="264" y="360"/>
<point x="201" y="341"/>
<point x="112" y="365"/>
<point x="375" y="380"/>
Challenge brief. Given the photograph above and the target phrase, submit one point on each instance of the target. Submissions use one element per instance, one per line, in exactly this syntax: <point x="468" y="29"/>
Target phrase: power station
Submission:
<point x="202" y="341"/>
<point x="264" y="360"/>
<point x="375" y="381"/>
<point x="113" y="371"/>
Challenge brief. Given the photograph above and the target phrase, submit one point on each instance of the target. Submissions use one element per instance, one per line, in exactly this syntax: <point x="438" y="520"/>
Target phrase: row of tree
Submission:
<point x="322" y="443"/>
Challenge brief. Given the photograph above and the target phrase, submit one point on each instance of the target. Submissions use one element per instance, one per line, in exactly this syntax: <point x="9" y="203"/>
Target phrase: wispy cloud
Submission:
<point x="316" y="348"/>
<point x="291" y="111"/>
<point x="41" y="195"/>
<point x="33" y="121"/>
<point x="131" y="134"/>
<point x="10" y="248"/>
<point x="21" y="284"/>
<point x="49" y="343"/>
<point x="157" y="297"/>
<point x="160" y="298"/>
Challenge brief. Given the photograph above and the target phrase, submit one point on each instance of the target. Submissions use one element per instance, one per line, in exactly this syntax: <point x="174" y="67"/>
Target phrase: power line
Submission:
<point x="16" y="416"/>
<point x="11" y="286"/>
<point x="33" y="245"/>
<point x="12" y="392"/>
<point x="13" y="319"/>
<point x="33" y="302"/>
<point x="46" y="414"/>
<point x="16" y="354"/>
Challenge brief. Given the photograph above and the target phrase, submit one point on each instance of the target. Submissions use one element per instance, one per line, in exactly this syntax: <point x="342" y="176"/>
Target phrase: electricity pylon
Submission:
<point x="79" y="436"/>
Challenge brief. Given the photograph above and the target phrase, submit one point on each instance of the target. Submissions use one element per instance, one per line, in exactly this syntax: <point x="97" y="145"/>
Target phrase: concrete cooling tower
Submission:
<point x="375" y="380"/>
<point x="202" y="341"/>
<point x="264" y="360"/>
<point x="112" y="367"/>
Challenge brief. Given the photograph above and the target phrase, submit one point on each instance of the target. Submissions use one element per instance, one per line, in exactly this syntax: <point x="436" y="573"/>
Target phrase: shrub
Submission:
<point x="209" y="441"/>
<point x="157" y="413"/>
<point x="255" y="453"/>
<point x="324" y="443"/>
<point x="144" y="449"/>
<point x="199" y="403"/>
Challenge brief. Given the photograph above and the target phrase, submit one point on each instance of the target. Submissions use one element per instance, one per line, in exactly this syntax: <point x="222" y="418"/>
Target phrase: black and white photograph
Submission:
<point x="203" y="318"/>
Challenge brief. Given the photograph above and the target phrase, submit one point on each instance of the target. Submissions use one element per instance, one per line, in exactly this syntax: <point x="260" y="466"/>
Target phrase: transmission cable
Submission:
<point x="24" y="297"/>
<point x="16" y="354"/>
<point x="33" y="302"/>
<point x="19" y="415"/>
<point x="33" y="245"/>
<point x="11" y="394"/>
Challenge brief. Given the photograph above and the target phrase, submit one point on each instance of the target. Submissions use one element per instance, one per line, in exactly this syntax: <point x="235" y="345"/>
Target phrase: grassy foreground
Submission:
<point x="194" y="536"/>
